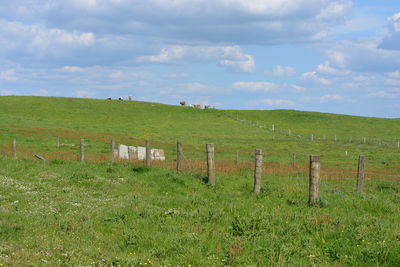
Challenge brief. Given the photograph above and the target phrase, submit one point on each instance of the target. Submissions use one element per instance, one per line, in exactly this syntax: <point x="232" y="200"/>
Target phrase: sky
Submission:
<point x="337" y="56"/>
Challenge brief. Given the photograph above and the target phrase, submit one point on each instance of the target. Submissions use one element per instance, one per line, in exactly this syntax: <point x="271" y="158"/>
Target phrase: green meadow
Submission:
<point x="62" y="212"/>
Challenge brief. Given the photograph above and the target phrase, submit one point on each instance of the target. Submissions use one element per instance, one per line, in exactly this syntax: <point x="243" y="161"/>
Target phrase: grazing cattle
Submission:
<point x="130" y="98"/>
<point x="120" y="99"/>
<point x="183" y="103"/>
<point x="196" y="105"/>
<point x="207" y="106"/>
<point x="109" y="98"/>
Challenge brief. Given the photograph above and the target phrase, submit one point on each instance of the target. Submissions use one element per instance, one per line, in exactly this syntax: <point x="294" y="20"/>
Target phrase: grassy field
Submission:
<point x="66" y="213"/>
<point x="37" y="121"/>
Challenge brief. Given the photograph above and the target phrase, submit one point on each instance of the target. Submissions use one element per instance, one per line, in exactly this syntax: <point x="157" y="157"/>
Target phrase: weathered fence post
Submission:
<point x="237" y="158"/>
<point x="293" y="159"/>
<point x="361" y="174"/>
<point x="58" y="142"/>
<point x="14" y="144"/>
<point x="82" y="145"/>
<point x="335" y="138"/>
<point x="179" y="157"/>
<point x="112" y="150"/>
<point x="313" y="188"/>
<point x="312" y="137"/>
<point x="258" y="171"/>
<point x="273" y="127"/>
<point x="210" y="164"/>
<point x="289" y="132"/>
<point x="148" y="154"/>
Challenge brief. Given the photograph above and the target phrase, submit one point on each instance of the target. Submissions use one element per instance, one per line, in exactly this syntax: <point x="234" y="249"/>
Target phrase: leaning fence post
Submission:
<point x="258" y="171"/>
<point x="313" y="188"/>
<point x="179" y="157"/>
<point x="361" y="174"/>
<point x="14" y="144"/>
<point x="148" y="154"/>
<point x="112" y="150"/>
<point x="210" y="164"/>
<point x="82" y="145"/>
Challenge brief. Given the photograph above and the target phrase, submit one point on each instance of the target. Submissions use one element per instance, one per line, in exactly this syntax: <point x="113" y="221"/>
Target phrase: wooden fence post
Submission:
<point x="58" y="142"/>
<point x="148" y="154"/>
<point x="312" y="137"/>
<point x="293" y="159"/>
<point x="210" y="164"/>
<point x="14" y="144"/>
<point x="258" y="171"/>
<point x="179" y="157"/>
<point x="237" y="158"/>
<point x="82" y="145"/>
<point x="313" y="188"/>
<point x="273" y="127"/>
<point x="289" y="132"/>
<point x="361" y="174"/>
<point x="112" y="150"/>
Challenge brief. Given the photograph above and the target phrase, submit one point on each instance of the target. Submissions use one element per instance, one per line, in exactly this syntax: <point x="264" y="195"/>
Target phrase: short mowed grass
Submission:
<point x="68" y="213"/>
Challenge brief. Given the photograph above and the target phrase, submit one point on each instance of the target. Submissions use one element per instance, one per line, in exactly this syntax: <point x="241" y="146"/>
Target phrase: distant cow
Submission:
<point x="120" y="99"/>
<point x="207" y="106"/>
<point x="130" y="98"/>
<point x="197" y="106"/>
<point x="183" y="103"/>
<point x="109" y="98"/>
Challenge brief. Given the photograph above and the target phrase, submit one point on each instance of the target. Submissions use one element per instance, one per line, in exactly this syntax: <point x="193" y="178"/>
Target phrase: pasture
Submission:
<point x="62" y="212"/>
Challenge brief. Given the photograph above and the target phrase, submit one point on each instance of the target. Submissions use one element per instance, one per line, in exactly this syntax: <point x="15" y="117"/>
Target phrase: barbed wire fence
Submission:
<point x="276" y="129"/>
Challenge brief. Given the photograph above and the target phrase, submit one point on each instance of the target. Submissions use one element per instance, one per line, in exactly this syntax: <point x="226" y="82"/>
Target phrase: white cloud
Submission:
<point x="195" y="87"/>
<point x="83" y="93"/>
<point x="385" y="94"/>
<point x="281" y="71"/>
<point x="116" y="74"/>
<point x="334" y="10"/>
<point x="218" y="21"/>
<point x="178" y="75"/>
<point x="323" y="98"/>
<point x="231" y="57"/>
<point x="314" y="78"/>
<point x="8" y="75"/>
<point x="269" y="102"/>
<point x="326" y="68"/>
<point x="392" y="41"/>
<point x="298" y="88"/>
<point x="394" y="74"/>
<point x="255" y="86"/>
<point x="244" y="63"/>
<point x="40" y="37"/>
<point x="72" y="69"/>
